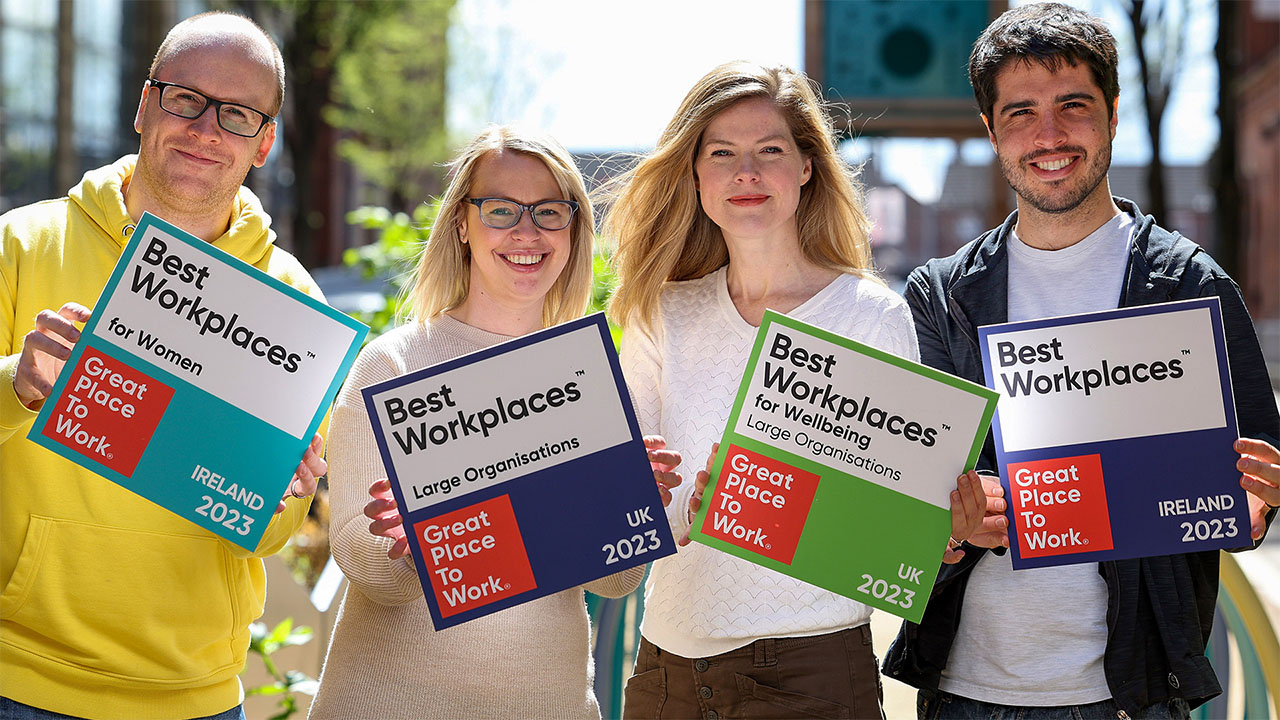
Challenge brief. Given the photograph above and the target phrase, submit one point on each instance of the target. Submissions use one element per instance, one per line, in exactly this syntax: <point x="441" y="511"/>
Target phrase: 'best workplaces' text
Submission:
<point x="1068" y="379"/>
<point x="822" y="397"/>
<point x="459" y="423"/>
<point x="154" y="284"/>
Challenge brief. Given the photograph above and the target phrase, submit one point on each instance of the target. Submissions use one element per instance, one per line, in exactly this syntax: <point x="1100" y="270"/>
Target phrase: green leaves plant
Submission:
<point x="264" y="642"/>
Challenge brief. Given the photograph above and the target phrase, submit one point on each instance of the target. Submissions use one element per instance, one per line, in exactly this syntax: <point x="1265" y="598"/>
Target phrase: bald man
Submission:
<point x="112" y="607"/>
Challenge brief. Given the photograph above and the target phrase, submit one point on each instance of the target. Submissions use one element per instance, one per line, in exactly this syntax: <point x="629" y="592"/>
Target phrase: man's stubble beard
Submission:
<point x="181" y="199"/>
<point x="1019" y="176"/>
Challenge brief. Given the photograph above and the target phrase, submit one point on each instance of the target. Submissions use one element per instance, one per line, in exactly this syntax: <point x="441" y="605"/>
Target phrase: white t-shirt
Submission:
<point x="1036" y="637"/>
<point x="684" y="374"/>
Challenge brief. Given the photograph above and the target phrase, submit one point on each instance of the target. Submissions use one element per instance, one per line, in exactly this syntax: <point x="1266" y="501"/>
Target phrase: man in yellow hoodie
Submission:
<point x="111" y="606"/>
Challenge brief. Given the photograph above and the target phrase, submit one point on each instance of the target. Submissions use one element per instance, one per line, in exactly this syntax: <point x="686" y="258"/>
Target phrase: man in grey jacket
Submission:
<point x="1112" y="639"/>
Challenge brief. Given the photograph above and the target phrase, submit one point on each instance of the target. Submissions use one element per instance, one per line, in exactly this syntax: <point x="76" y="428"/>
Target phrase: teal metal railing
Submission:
<point x="1244" y="652"/>
<point x="616" y="623"/>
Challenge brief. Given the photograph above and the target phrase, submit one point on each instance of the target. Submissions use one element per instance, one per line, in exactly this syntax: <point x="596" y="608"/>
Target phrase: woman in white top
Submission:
<point x="744" y="205"/>
<point x="510" y="252"/>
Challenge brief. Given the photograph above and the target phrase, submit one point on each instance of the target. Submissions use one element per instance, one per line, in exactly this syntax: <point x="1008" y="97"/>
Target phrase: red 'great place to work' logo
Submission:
<point x="1060" y="506"/>
<point x="475" y="556"/>
<point x="760" y="504"/>
<point x="108" y="411"/>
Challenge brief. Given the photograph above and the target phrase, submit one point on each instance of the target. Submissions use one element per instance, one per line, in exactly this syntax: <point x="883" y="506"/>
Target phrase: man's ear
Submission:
<point x="264" y="145"/>
<point x="142" y="106"/>
<point x="991" y="134"/>
<point x="1115" y="115"/>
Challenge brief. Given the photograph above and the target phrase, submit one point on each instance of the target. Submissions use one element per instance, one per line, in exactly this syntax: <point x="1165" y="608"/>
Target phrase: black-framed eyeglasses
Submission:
<point x="187" y="103"/>
<point x="501" y="213"/>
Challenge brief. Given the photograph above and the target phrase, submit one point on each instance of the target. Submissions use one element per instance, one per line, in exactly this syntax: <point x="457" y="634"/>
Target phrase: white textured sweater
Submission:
<point x="684" y="373"/>
<point x="385" y="659"/>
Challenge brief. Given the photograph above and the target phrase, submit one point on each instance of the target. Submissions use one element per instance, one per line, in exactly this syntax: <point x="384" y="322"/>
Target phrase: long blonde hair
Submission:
<point x="442" y="276"/>
<point x="657" y="222"/>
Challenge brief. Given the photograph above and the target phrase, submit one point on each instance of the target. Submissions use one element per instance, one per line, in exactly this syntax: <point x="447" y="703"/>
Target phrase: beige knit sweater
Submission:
<point x="385" y="659"/>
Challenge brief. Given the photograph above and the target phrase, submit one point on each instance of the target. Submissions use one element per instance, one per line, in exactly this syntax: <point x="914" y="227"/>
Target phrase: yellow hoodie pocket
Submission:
<point x="151" y="607"/>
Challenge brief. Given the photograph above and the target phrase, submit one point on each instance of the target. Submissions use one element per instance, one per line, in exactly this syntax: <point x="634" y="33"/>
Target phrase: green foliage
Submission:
<point x="314" y="35"/>
<point x="319" y="31"/>
<point x="603" y="283"/>
<point x="389" y="95"/>
<point x="393" y="254"/>
<point x="265" y="643"/>
<point x="391" y="257"/>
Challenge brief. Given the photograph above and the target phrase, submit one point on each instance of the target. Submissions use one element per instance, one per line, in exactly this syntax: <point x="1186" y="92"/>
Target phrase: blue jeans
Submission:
<point x="938" y="705"/>
<point x="10" y="710"/>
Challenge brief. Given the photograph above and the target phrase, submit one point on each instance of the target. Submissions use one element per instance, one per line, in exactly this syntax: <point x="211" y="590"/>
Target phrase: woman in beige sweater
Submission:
<point x="510" y="253"/>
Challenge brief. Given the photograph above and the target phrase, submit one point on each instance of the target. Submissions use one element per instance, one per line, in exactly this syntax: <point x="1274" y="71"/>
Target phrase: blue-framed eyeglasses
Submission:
<point x="501" y="213"/>
<point x="187" y="103"/>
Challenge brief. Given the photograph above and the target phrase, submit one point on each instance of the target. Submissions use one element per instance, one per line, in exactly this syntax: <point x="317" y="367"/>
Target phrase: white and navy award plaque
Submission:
<point x="1114" y="434"/>
<point x="519" y="471"/>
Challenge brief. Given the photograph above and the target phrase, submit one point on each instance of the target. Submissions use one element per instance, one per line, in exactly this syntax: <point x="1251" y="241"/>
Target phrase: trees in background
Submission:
<point x="1159" y="39"/>
<point x="389" y="102"/>
<point x="1222" y="164"/>
<point x="366" y="85"/>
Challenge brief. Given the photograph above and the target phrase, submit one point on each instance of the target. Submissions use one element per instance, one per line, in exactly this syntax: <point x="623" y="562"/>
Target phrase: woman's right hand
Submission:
<point x="664" y="463"/>
<point x="386" y="520"/>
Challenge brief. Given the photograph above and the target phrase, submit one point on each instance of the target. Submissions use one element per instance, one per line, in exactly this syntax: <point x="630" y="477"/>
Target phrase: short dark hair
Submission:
<point x="1050" y="34"/>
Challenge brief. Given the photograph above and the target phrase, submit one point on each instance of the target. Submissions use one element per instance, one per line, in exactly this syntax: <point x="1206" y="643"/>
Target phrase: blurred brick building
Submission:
<point x="1256" y="90"/>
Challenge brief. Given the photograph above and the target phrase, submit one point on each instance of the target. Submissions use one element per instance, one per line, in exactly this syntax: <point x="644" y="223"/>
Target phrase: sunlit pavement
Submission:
<point x="1262" y="567"/>
<point x="899" y="699"/>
